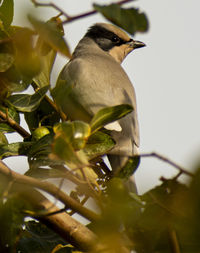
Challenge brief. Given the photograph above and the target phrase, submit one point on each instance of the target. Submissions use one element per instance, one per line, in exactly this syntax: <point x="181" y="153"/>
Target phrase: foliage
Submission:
<point x="162" y="220"/>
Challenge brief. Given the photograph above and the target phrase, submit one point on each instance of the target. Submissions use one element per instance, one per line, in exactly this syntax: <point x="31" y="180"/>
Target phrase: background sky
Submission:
<point x="165" y="74"/>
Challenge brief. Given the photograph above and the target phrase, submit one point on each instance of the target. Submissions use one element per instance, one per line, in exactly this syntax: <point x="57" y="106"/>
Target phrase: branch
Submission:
<point x="62" y="223"/>
<point x="175" y="248"/>
<point x="69" y="18"/>
<point x="12" y="123"/>
<point x="181" y="169"/>
<point x="51" y="189"/>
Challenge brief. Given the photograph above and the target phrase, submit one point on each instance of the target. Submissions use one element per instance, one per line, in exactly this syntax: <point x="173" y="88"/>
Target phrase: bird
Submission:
<point x="98" y="80"/>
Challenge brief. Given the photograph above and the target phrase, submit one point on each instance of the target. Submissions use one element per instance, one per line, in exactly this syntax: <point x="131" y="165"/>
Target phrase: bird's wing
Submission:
<point x="99" y="85"/>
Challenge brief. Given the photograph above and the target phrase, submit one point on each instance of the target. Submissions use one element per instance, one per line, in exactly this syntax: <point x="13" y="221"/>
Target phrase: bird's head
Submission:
<point x="113" y="40"/>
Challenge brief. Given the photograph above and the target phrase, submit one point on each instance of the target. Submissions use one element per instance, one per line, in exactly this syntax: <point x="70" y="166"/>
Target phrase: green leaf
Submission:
<point x="51" y="34"/>
<point x="69" y="138"/>
<point x="76" y="133"/>
<point x="11" y="219"/>
<point x="44" y="173"/>
<point x="132" y="19"/>
<point x="44" y="115"/>
<point x="63" y="150"/>
<point x="27" y="103"/>
<point x="38" y="154"/>
<point x="47" y="61"/>
<point x="108" y="115"/>
<point x="98" y="144"/>
<point x="129" y="168"/>
<point x="6" y="61"/>
<point x="7" y="12"/>
<point x="13" y="114"/>
<point x="14" y="149"/>
<point x="3" y="139"/>
<point x="27" y="60"/>
<point x="39" y="238"/>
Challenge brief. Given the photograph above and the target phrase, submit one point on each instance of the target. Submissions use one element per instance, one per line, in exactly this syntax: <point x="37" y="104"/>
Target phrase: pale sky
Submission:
<point x="165" y="74"/>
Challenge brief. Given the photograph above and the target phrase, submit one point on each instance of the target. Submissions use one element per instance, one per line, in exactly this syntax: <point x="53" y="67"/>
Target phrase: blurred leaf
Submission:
<point x="51" y="34"/>
<point x="129" y="168"/>
<point x="13" y="81"/>
<point x="63" y="150"/>
<point x="47" y="61"/>
<point x="76" y="133"/>
<point x="3" y="139"/>
<point x="44" y="173"/>
<point x="38" y="154"/>
<point x="6" y="61"/>
<point x="27" y="103"/>
<point x="11" y="220"/>
<point x="98" y="144"/>
<point x="132" y="19"/>
<point x="44" y="115"/>
<point x="7" y="12"/>
<point x="14" y="149"/>
<point x="13" y="114"/>
<point x="37" y="238"/>
<point x="108" y="115"/>
<point x="27" y="59"/>
<point x="68" y="101"/>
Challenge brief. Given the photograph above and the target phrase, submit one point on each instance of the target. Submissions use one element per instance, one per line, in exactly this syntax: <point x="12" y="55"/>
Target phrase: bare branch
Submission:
<point x="12" y="123"/>
<point x="181" y="169"/>
<point x="175" y="248"/>
<point x="51" y="189"/>
<point x="69" y="18"/>
<point x="62" y="223"/>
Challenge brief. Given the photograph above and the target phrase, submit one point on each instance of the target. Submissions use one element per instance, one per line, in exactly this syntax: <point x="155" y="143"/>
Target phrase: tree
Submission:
<point x="164" y="219"/>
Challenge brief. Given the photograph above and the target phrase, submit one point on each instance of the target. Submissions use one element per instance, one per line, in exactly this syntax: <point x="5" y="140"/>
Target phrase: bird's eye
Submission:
<point x="115" y="39"/>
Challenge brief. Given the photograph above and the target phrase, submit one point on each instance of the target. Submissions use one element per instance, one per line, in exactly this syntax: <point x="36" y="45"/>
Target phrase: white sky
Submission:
<point x="165" y="74"/>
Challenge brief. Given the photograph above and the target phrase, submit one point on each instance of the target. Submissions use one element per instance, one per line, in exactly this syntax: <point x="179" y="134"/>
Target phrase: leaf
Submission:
<point x="14" y="149"/>
<point x="131" y="19"/>
<point x="44" y="115"/>
<point x="27" y="60"/>
<point x="63" y="150"/>
<point x="27" y="103"/>
<point x="108" y="115"/>
<point x="76" y="133"/>
<point x="13" y="80"/>
<point x="44" y="173"/>
<point x="3" y="139"/>
<point x="51" y="34"/>
<point x="38" y="154"/>
<point x="38" y="238"/>
<point x="13" y="114"/>
<point x="7" y="12"/>
<point x="6" y="61"/>
<point x="98" y="144"/>
<point x="11" y="220"/>
<point x="129" y="168"/>
<point x="48" y="55"/>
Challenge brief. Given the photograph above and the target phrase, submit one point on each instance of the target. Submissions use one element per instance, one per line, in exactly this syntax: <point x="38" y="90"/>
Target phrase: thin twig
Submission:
<point x="49" y="188"/>
<point x="180" y="168"/>
<point x="12" y="123"/>
<point x="174" y="241"/>
<point x="69" y="18"/>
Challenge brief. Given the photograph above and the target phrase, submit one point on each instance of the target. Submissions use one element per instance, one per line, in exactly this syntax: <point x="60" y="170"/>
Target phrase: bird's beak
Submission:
<point x="136" y="44"/>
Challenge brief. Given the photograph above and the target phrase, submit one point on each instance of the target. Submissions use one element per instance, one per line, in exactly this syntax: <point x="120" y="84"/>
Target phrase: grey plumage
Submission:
<point x="98" y="80"/>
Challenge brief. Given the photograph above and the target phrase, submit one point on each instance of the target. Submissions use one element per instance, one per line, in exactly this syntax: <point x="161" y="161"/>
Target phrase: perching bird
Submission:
<point x="98" y="80"/>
